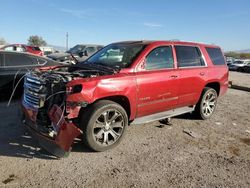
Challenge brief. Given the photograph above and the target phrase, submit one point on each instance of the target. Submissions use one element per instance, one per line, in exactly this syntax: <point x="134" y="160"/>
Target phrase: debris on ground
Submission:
<point x="218" y="123"/>
<point x="191" y="133"/>
<point x="247" y="131"/>
<point x="9" y="179"/>
<point x="234" y="124"/>
<point x="166" y="121"/>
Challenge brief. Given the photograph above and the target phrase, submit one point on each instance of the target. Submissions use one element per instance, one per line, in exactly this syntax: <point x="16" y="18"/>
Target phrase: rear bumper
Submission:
<point x="58" y="144"/>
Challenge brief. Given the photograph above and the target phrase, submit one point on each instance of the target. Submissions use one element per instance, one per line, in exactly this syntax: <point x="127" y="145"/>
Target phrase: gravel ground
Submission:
<point x="239" y="78"/>
<point x="149" y="156"/>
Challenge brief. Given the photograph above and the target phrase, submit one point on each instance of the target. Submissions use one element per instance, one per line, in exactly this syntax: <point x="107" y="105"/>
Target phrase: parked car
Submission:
<point x="47" y="50"/>
<point x="246" y="68"/>
<point x="23" y="48"/>
<point x="229" y="60"/>
<point x="81" y="52"/>
<point x="238" y="65"/>
<point x="13" y="65"/>
<point x="142" y="81"/>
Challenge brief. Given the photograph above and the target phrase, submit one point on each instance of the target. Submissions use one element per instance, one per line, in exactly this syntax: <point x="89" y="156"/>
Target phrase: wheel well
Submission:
<point x="121" y="100"/>
<point x="215" y="86"/>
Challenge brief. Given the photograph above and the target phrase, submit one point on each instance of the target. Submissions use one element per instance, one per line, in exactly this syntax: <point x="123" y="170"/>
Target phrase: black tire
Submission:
<point x="103" y="124"/>
<point x="241" y="69"/>
<point x="204" y="108"/>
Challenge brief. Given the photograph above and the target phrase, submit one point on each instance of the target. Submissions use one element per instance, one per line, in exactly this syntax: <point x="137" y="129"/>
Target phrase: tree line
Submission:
<point x="238" y="55"/>
<point x="33" y="40"/>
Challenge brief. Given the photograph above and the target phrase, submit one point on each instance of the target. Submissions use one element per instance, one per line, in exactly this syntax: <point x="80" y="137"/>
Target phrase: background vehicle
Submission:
<point x="13" y="65"/>
<point x="230" y="60"/>
<point x="47" y="50"/>
<point x="239" y="65"/>
<point x="124" y="83"/>
<point x="23" y="48"/>
<point x="246" y="68"/>
<point x="81" y="52"/>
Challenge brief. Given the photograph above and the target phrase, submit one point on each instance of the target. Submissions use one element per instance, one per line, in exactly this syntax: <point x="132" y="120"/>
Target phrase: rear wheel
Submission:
<point x="207" y="103"/>
<point x="103" y="125"/>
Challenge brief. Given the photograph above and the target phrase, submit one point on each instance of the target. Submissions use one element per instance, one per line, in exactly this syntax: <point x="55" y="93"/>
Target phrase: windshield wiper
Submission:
<point x="92" y="66"/>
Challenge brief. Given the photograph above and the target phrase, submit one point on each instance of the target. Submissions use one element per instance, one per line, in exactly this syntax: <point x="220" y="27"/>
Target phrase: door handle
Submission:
<point x="173" y="76"/>
<point x="202" y="73"/>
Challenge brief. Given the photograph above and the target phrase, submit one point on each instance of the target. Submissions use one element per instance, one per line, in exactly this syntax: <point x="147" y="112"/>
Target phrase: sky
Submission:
<point x="222" y="22"/>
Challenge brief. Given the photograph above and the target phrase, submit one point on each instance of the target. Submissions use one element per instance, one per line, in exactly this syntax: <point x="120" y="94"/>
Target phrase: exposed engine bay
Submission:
<point x="45" y="88"/>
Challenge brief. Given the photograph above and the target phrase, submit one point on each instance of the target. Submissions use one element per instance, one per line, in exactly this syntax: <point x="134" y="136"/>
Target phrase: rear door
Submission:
<point x="157" y="82"/>
<point x="192" y="70"/>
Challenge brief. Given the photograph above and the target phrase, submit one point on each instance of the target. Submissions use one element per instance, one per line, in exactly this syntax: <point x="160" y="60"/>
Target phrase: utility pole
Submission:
<point x="67" y="41"/>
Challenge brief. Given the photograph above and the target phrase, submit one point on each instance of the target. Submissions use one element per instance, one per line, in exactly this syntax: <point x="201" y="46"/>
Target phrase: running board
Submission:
<point x="163" y="115"/>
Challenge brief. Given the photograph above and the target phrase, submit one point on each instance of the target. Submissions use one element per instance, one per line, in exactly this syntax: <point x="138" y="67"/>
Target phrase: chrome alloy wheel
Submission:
<point x="209" y="103"/>
<point x="108" y="127"/>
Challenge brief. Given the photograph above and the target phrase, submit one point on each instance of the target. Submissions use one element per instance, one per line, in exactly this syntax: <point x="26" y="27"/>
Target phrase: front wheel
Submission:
<point x="241" y="69"/>
<point x="103" y="125"/>
<point x="207" y="103"/>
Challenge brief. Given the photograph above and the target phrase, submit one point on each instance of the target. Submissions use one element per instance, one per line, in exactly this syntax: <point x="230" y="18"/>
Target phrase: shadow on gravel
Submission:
<point x="187" y="116"/>
<point x="14" y="139"/>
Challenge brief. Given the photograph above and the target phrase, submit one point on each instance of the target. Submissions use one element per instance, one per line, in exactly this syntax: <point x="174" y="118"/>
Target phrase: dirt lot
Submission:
<point x="149" y="156"/>
<point x="239" y="78"/>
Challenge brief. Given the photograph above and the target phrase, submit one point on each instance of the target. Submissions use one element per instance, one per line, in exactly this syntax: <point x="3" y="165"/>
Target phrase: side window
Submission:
<point x="9" y="48"/>
<point x="1" y="60"/>
<point x="20" y="49"/>
<point x="160" y="58"/>
<point x="90" y="50"/>
<point x="216" y="56"/>
<point x="189" y="56"/>
<point x="18" y="60"/>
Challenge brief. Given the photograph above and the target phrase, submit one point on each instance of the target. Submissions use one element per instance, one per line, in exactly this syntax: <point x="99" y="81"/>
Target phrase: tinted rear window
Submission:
<point x="189" y="56"/>
<point x="36" y="48"/>
<point x="216" y="56"/>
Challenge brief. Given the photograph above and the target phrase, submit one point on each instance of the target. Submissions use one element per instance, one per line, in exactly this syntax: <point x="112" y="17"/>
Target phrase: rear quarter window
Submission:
<point x="36" y="48"/>
<point x="216" y="56"/>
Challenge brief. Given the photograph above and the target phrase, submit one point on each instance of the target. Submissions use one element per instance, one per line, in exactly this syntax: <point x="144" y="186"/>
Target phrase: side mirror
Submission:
<point x="142" y="65"/>
<point x="80" y="54"/>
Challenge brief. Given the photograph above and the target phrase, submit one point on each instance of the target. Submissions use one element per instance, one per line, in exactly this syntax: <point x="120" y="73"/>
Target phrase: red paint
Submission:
<point x="67" y="131"/>
<point x="144" y="89"/>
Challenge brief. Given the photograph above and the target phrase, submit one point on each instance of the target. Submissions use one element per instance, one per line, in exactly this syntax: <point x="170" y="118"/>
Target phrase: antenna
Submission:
<point x="67" y="41"/>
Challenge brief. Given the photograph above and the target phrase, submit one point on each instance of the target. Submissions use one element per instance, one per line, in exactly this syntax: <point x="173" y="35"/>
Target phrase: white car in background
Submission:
<point x="239" y="65"/>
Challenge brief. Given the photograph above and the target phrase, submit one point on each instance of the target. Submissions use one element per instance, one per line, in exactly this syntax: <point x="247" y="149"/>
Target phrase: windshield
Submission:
<point x="76" y="49"/>
<point x="117" y="55"/>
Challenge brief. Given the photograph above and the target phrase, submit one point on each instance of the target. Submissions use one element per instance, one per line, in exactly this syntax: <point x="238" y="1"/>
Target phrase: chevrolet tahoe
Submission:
<point x="124" y="83"/>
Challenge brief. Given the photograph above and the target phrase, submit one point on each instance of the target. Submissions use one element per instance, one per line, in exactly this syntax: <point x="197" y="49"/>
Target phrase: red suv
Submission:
<point x="124" y="83"/>
<point x="23" y="48"/>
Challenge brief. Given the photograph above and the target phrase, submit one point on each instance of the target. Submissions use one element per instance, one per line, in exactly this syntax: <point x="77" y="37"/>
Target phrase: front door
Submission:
<point x="158" y="83"/>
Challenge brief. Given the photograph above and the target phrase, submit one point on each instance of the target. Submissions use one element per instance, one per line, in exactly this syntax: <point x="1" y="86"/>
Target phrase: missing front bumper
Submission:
<point x="59" y="145"/>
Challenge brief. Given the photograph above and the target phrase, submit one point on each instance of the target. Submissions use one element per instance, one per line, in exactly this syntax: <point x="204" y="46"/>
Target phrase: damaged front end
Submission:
<point x="46" y="110"/>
